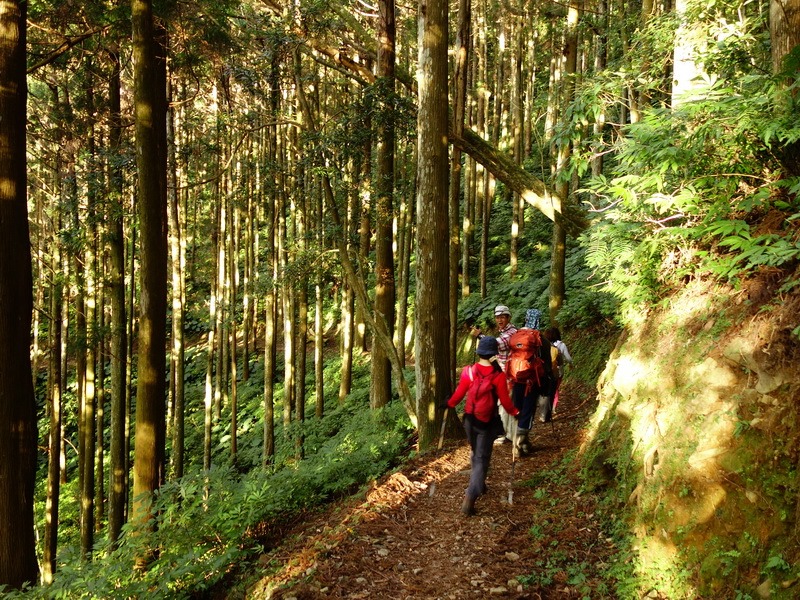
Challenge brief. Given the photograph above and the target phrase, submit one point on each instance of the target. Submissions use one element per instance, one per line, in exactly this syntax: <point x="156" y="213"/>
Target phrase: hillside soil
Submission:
<point x="534" y="535"/>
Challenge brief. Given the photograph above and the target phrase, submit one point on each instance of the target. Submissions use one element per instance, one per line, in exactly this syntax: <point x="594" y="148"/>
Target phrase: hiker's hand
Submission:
<point x="476" y="331"/>
<point x="444" y="406"/>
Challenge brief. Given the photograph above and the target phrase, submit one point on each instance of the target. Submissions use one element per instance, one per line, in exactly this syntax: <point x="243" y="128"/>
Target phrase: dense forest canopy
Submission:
<point x="227" y="228"/>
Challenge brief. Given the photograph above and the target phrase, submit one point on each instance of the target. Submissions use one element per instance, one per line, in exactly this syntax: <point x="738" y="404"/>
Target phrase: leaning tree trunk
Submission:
<point x="17" y="405"/>
<point x="431" y="345"/>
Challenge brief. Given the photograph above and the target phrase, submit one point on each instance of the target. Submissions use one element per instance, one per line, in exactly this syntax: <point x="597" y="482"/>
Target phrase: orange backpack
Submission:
<point x="525" y="364"/>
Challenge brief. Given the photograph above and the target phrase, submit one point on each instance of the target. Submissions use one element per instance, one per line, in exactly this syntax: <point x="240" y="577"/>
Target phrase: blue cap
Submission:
<point x="487" y="346"/>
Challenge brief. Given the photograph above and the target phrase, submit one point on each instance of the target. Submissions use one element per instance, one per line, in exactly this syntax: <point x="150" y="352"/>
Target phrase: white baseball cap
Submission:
<point x="501" y="310"/>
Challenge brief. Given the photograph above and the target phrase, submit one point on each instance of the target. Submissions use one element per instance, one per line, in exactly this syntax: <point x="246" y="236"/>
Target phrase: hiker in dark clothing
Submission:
<point x="483" y="383"/>
<point x="532" y="397"/>
<point x="564" y="358"/>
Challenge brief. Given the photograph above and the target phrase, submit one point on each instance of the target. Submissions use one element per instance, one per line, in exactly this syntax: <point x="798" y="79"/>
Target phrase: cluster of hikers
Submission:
<point x="514" y="382"/>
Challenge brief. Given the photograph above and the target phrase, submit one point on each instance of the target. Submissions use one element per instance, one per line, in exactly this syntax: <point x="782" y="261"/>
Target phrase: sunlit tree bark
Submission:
<point x="431" y="346"/>
<point x="150" y="120"/>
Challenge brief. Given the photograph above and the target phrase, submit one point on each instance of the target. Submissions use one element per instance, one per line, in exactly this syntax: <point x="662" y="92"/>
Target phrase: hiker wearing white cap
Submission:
<point x="505" y="329"/>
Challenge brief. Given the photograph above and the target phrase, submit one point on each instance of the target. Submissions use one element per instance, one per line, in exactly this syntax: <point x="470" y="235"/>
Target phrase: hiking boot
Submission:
<point x="468" y="506"/>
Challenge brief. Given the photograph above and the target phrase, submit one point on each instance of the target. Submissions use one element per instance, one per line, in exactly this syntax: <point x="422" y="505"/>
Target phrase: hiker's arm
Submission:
<point x="461" y="390"/>
<point x="565" y="352"/>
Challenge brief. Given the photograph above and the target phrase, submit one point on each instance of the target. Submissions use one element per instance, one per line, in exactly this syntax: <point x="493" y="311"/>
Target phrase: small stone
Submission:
<point x="361" y="581"/>
<point x="765" y="589"/>
<point x="512" y="556"/>
<point x="497" y="591"/>
<point x="383" y="552"/>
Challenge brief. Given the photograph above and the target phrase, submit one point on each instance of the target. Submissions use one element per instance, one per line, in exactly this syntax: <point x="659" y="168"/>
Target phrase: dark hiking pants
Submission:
<point x="481" y="438"/>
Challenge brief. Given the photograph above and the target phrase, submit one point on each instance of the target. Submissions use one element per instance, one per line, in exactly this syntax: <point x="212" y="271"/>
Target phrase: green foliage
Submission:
<point x="207" y="521"/>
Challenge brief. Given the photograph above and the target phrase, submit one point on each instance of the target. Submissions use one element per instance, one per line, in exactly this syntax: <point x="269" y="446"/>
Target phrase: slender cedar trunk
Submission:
<point x="151" y="153"/>
<point x="559" y="249"/>
<point x="233" y="271"/>
<point x="287" y="307"/>
<point x="132" y="330"/>
<point x="220" y="367"/>
<point x="459" y="93"/>
<point x="18" y="433"/>
<point x="431" y="345"/>
<point x="319" y="344"/>
<point x="88" y="415"/>
<point x="365" y="229"/>
<point x="408" y="232"/>
<point x="119" y="345"/>
<point x="176" y="245"/>
<point x="517" y="116"/>
<point x="482" y="111"/>
<point x="102" y="358"/>
<point x="211" y="344"/>
<point x="301" y="302"/>
<point x="49" y="550"/>
<point x="270" y="261"/>
<point x="381" y="370"/>
<point x="319" y="325"/>
<point x="470" y="187"/>
<point x="600" y="62"/>
<point x="348" y="295"/>
<point x="247" y="301"/>
<point x="81" y="337"/>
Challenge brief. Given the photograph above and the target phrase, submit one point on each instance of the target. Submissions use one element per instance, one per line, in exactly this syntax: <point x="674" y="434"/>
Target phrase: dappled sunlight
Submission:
<point x="693" y="303"/>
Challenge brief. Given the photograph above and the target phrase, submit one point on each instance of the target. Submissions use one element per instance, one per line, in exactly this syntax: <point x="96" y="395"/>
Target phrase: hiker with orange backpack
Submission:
<point x="530" y="372"/>
<point x="484" y="384"/>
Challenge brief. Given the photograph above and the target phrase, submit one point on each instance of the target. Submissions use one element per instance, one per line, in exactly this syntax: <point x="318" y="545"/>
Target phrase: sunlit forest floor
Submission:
<point x="534" y="534"/>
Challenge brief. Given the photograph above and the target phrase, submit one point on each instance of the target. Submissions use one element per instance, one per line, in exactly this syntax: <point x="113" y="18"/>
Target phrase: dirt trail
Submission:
<point x="408" y="539"/>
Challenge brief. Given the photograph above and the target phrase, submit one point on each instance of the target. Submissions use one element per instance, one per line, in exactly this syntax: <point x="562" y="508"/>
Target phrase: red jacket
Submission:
<point x="498" y="381"/>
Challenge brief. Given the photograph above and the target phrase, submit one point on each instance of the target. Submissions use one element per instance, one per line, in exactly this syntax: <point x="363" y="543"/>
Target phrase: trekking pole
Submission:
<point x="513" y="463"/>
<point x="441" y="431"/>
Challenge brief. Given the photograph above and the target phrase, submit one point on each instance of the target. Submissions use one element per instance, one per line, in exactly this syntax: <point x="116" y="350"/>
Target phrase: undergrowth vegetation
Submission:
<point x="212" y="523"/>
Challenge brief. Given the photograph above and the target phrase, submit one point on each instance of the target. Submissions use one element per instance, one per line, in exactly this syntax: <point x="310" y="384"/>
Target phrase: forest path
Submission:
<point x="408" y="538"/>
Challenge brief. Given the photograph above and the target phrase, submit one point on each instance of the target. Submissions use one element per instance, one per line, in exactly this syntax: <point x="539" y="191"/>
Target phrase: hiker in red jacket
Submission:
<point x="505" y="329"/>
<point x="483" y="383"/>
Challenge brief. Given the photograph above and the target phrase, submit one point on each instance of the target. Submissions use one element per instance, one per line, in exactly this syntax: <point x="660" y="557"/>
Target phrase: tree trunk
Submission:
<point x="150" y="119"/>
<point x="459" y="109"/>
<point x="118" y="492"/>
<point x="18" y="433"/>
<point x="559" y="249"/>
<point x="381" y="374"/>
<point x="88" y="415"/>
<point x="784" y="30"/>
<point x="176" y="245"/>
<point x="431" y="345"/>
<point x="49" y="550"/>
